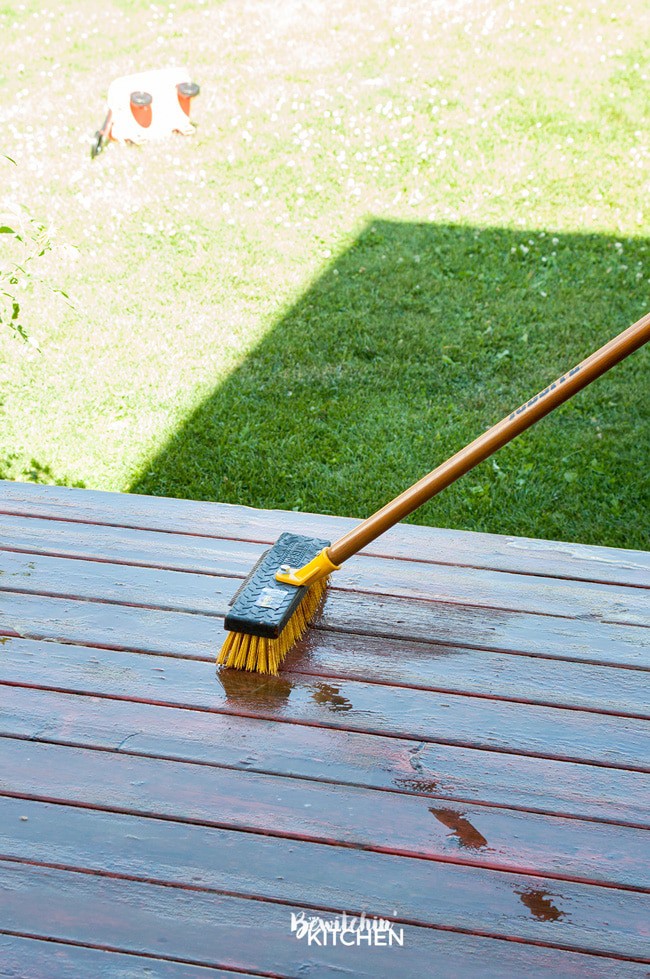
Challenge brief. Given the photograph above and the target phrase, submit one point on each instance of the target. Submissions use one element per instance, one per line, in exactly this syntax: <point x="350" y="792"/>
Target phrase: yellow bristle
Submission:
<point x="260" y="655"/>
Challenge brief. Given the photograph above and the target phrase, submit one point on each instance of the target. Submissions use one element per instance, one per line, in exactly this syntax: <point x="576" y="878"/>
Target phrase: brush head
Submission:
<point x="266" y="616"/>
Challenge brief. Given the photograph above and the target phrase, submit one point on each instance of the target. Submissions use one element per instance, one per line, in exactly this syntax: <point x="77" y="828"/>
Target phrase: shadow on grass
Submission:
<point x="412" y="343"/>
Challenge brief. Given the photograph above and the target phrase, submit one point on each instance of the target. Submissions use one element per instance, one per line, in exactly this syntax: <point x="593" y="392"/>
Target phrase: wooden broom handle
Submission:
<point x="483" y="447"/>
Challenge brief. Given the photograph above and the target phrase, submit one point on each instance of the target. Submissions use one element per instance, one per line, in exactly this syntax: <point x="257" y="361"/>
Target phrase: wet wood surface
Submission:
<point x="459" y="746"/>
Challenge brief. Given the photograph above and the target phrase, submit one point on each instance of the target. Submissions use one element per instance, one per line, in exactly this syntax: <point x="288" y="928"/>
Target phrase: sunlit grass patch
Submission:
<point x="408" y="217"/>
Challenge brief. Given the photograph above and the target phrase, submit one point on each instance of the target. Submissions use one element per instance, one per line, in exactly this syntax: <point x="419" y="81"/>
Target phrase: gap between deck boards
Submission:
<point x="338" y="815"/>
<point x="327" y="754"/>
<point x="214" y="520"/>
<point x="366" y="575"/>
<point x="403" y="713"/>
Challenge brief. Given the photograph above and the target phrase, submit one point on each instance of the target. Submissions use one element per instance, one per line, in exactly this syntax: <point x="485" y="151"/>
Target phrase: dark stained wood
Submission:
<point x="400" y="712"/>
<point x="196" y="634"/>
<point x="462" y="548"/>
<point x="31" y="958"/>
<point x="550" y="846"/>
<point x="346" y="757"/>
<point x="428" y="666"/>
<point x="611" y="921"/>
<point x="230" y="932"/>
<point x="459" y="745"/>
<point x="371" y="575"/>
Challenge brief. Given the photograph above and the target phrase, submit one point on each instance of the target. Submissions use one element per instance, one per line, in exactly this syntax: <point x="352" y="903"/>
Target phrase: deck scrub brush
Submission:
<point x="274" y="606"/>
<point x="269" y="615"/>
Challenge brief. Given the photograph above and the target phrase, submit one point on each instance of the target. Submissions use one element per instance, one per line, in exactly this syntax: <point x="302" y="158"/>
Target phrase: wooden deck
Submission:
<point x="460" y="746"/>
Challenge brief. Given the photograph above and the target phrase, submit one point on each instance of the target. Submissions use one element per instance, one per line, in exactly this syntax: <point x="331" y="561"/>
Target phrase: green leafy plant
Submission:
<point x="25" y="241"/>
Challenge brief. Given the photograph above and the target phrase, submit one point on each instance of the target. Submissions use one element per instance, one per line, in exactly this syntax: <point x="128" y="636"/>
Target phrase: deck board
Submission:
<point x="351" y="705"/>
<point x="325" y="877"/>
<point x="457" y="548"/>
<point x="429" y="666"/>
<point x="226" y="931"/>
<point x="196" y="635"/>
<point x="346" y="757"/>
<point x="460" y="744"/>
<point x="340" y="815"/>
<point x="24" y="958"/>
<point x="424" y="579"/>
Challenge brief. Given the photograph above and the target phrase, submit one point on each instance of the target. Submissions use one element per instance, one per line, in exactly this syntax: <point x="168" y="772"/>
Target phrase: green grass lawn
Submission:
<point x="392" y="226"/>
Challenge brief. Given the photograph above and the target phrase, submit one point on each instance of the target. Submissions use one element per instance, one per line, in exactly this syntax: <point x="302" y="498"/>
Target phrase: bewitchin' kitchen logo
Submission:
<point x="346" y="930"/>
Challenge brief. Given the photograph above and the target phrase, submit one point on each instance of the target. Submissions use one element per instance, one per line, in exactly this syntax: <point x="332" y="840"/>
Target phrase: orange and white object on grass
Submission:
<point x="146" y="106"/>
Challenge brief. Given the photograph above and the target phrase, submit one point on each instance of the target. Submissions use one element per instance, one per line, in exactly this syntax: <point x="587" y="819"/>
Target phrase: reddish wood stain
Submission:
<point x="460" y="745"/>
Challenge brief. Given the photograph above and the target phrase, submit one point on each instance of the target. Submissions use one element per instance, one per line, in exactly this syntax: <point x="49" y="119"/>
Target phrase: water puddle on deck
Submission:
<point x="254" y="691"/>
<point x="540" y="905"/>
<point x="467" y="835"/>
